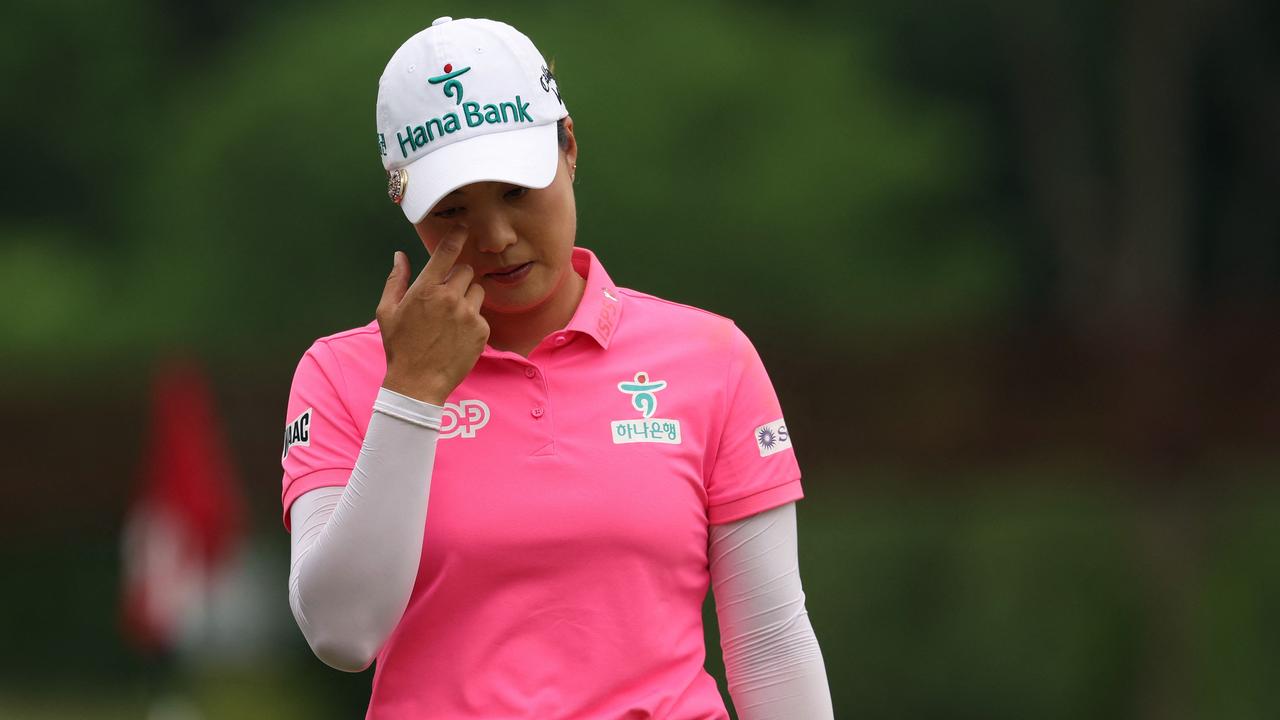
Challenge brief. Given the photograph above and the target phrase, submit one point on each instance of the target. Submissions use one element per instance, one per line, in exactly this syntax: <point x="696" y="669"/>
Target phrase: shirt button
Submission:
<point x="537" y="412"/>
<point x="560" y="340"/>
<point x="530" y="372"/>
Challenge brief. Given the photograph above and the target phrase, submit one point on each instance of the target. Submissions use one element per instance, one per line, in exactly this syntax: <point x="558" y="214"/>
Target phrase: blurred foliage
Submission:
<point x="1023" y="601"/>
<point x="1237" y="630"/>
<point x="237" y="205"/>
<point x="834" y="176"/>
<point x="203" y="174"/>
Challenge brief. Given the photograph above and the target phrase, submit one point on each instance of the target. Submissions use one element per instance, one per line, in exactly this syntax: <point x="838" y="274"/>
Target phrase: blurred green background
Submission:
<point x="1014" y="269"/>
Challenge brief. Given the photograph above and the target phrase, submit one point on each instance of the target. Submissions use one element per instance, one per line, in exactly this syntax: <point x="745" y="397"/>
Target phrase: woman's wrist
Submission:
<point x="409" y="409"/>
<point x="423" y="393"/>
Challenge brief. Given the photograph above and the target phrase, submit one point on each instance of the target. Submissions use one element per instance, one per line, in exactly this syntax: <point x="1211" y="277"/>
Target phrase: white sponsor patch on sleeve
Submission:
<point x="297" y="432"/>
<point x="773" y="438"/>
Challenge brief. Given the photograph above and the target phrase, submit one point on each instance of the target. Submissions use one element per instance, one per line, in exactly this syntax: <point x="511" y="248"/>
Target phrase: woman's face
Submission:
<point x="508" y="226"/>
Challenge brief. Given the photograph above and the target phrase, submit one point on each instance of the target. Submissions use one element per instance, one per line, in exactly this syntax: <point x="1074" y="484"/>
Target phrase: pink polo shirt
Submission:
<point x="564" y="562"/>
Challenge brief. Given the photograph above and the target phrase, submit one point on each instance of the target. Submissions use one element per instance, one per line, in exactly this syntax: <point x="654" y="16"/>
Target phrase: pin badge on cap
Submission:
<point x="397" y="181"/>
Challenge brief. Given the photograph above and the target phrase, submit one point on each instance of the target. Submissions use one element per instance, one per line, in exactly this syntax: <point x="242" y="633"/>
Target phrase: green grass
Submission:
<point x="1034" y="597"/>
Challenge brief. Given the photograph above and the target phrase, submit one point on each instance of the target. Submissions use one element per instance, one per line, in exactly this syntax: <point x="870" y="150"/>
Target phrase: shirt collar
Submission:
<point x="601" y="305"/>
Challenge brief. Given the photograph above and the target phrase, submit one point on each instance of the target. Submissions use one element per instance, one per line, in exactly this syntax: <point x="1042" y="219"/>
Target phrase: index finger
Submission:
<point x="446" y="254"/>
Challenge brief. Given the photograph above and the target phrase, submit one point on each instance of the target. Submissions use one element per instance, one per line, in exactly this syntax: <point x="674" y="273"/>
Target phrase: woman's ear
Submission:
<point x="571" y="146"/>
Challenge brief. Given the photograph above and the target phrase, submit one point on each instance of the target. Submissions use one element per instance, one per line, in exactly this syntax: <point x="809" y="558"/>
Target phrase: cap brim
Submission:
<point x="523" y="157"/>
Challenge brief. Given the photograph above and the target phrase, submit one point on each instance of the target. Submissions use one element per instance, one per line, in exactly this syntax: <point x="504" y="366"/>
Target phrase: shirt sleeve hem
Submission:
<point x="328" y="477"/>
<point x="750" y="505"/>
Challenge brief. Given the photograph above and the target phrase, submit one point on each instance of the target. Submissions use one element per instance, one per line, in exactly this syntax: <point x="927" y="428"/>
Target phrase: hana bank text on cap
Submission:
<point x="465" y="101"/>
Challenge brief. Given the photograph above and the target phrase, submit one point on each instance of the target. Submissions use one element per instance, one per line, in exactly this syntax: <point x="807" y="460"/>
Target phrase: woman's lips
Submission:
<point x="515" y="275"/>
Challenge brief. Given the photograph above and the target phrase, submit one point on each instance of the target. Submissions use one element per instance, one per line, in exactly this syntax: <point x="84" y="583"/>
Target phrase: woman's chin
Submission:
<point x="512" y="303"/>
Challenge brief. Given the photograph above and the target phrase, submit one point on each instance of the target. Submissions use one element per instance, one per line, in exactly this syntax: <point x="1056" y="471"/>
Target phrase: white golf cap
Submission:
<point x="465" y="101"/>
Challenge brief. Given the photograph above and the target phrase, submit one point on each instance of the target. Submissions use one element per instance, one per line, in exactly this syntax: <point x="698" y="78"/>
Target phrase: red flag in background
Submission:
<point x="185" y="520"/>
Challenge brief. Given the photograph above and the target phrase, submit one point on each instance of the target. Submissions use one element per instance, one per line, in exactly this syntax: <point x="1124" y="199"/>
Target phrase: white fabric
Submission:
<point x="771" y="656"/>
<point x="355" y="552"/>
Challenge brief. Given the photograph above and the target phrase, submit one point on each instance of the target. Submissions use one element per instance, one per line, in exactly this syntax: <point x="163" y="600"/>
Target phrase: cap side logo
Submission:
<point x="451" y="84"/>
<point x="547" y="79"/>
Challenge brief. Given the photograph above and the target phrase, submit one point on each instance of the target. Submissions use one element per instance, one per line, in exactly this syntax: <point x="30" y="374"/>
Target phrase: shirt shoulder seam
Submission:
<point x="362" y="330"/>
<point x="636" y="294"/>
<point x="344" y="393"/>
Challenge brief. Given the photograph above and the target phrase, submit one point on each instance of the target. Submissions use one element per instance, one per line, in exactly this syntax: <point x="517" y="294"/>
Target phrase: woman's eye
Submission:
<point x="446" y="213"/>
<point x="516" y="192"/>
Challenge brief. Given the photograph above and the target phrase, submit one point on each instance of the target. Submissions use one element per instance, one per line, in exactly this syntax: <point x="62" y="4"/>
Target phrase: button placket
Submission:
<point x="542" y="425"/>
<point x="537" y="411"/>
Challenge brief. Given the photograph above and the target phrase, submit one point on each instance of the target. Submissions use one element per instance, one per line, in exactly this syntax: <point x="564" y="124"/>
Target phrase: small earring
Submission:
<point x="573" y="168"/>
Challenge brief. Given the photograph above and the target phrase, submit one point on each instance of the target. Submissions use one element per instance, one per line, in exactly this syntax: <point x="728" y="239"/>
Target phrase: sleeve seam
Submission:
<point x="313" y="471"/>
<point x="730" y="393"/>
<point x="790" y="480"/>
<point x="726" y="403"/>
<point x="346" y="391"/>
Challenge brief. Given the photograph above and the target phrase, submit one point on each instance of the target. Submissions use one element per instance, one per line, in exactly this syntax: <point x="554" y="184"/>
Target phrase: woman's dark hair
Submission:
<point x="562" y="137"/>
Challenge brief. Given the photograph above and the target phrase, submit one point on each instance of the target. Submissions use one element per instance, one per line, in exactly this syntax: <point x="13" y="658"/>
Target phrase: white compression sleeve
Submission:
<point x="772" y="659"/>
<point x="354" y="550"/>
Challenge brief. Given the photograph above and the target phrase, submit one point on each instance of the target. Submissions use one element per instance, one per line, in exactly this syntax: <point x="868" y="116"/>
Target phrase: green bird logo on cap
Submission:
<point x="451" y="84"/>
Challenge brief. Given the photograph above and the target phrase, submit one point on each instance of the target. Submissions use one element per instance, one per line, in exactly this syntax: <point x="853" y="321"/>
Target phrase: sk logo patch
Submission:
<point x="773" y="437"/>
<point x="650" y="429"/>
<point x="451" y="85"/>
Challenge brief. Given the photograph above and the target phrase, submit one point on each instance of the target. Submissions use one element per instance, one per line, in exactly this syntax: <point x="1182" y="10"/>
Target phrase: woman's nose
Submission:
<point x="492" y="233"/>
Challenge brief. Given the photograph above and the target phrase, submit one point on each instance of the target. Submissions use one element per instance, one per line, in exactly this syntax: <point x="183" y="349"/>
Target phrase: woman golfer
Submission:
<point x="513" y="489"/>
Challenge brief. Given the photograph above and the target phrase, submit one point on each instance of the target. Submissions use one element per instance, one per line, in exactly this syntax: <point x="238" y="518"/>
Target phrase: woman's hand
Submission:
<point x="432" y="330"/>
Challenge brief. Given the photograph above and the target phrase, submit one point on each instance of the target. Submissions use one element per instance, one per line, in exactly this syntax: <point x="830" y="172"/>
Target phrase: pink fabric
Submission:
<point x="563" y="572"/>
